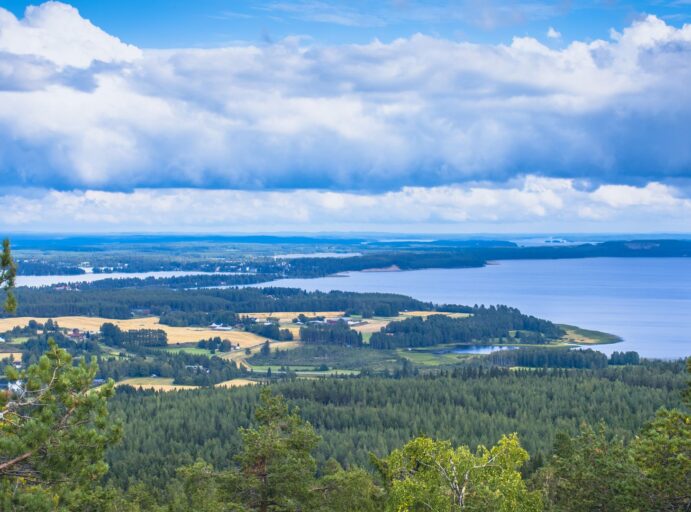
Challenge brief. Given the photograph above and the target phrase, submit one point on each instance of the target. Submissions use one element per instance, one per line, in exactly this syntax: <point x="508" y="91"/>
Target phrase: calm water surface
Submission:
<point x="89" y="278"/>
<point x="646" y="301"/>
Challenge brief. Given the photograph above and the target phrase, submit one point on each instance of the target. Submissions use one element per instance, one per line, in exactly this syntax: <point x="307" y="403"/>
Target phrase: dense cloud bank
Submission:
<point x="525" y="205"/>
<point x="420" y="133"/>
<point x="80" y="109"/>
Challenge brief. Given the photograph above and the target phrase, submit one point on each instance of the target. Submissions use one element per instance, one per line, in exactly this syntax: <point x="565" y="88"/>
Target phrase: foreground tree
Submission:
<point x="428" y="475"/>
<point x="347" y="490"/>
<point x="594" y="471"/>
<point x="275" y="472"/>
<point x="276" y="466"/>
<point x="662" y="451"/>
<point x="54" y="429"/>
<point x="8" y="273"/>
<point x="590" y="472"/>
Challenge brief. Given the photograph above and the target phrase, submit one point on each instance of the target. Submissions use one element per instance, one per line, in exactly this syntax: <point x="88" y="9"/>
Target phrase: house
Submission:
<point x="76" y="335"/>
<point x="220" y="327"/>
<point x="196" y="368"/>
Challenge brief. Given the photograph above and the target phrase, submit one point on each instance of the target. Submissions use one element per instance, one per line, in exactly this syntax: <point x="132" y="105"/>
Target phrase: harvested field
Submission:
<point x="155" y="383"/>
<point x="175" y="334"/>
<point x="16" y="356"/>
<point x="287" y="316"/>
<point x="234" y="383"/>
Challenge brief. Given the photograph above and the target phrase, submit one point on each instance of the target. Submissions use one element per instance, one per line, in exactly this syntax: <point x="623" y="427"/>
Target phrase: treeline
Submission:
<point x="461" y="257"/>
<point x="337" y="333"/>
<point x="268" y="330"/>
<point x="216" y="344"/>
<point x="132" y="339"/>
<point x="46" y="268"/>
<point x="184" y="369"/>
<point x="211" y="279"/>
<point x="200" y="306"/>
<point x="331" y="356"/>
<point x="357" y="416"/>
<point x="485" y="324"/>
<point x="404" y="260"/>
<point x="39" y="344"/>
<point x="406" y="256"/>
<point x="561" y="358"/>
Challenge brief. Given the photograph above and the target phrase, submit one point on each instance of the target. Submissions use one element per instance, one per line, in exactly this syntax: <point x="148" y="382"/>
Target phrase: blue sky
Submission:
<point x="208" y="23"/>
<point x="462" y="116"/>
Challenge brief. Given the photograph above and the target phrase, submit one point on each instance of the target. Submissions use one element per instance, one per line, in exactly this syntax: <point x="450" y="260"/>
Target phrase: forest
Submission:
<point x="560" y="358"/>
<point x="617" y="438"/>
<point x="260" y="265"/>
<point x="185" y="369"/>
<point x="485" y="324"/>
<point x="200" y="306"/>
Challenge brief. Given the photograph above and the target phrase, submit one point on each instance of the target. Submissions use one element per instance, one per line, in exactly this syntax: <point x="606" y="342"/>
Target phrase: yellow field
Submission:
<point x="183" y="335"/>
<point x="161" y="384"/>
<point x="371" y="326"/>
<point x="234" y="383"/>
<point x="587" y="336"/>
<point x="16" y="356"/>
<point x="428" y="313"/>
<point x="376" y="324"/>
<point x="572" y="337"/>
<point x="287" y="316"/>
<point x="294" y="329"/>
<point x="155" y="383"/>
<point x="175" y="334"/>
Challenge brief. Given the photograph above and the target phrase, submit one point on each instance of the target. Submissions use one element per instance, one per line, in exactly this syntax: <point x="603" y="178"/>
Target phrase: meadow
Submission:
<point x="175" y="334"/>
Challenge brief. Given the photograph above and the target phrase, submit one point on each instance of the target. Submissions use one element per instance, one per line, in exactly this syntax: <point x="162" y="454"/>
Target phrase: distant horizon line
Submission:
<point x="348" y="234"/>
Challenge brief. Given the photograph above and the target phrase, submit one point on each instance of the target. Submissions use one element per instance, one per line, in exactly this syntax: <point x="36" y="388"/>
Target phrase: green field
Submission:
<point x="18" y="340"/>
<point x="305" y="371"/>
<point x="588" y="336"/>
<point x="188" y="350"/>
<point x="429" y="358"/>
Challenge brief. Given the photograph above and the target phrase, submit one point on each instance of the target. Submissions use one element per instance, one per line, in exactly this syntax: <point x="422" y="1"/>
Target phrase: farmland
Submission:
<point x="175" y="334"/>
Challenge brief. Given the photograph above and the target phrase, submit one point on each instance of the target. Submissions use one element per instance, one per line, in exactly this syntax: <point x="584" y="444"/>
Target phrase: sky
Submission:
<point x="307" y="116"/>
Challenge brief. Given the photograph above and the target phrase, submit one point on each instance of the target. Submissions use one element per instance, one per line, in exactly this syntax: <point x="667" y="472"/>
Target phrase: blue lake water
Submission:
<point x="478" y="349"/>
<point x="646" y="301"/>
<point x="35" y="281"/>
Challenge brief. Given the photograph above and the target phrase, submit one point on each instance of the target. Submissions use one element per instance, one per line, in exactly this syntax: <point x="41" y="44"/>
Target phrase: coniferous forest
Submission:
<point x="372" y="426"/>
<point x="569" y="440"/>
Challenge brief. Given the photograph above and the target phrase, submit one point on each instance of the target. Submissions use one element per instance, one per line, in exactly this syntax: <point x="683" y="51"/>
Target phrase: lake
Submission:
<point x="89" y="277"/>
<point x="646" y="301"/>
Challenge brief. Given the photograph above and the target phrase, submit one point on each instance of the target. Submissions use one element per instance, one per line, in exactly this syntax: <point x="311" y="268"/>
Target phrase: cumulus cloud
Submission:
<point x="56" y="32"/>
<point x="553" y="33"/>
<point x="531" y="203"/>
<point x="81" y="110"/>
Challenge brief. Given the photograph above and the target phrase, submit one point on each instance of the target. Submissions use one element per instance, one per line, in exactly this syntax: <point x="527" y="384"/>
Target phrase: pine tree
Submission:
<point x="54" y="430"/>
<point x="8" y="273"/>
<point x="277" y="470"/>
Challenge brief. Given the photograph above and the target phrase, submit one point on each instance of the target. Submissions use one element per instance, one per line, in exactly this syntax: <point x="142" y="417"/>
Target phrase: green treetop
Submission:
<point x="53" y="433"/>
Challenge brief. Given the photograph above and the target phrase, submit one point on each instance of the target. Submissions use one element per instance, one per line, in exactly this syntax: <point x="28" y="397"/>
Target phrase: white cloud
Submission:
<point x="532" y="202"/>
<point x="402" y="123"/>
<point x="56" y="32"/>
<point x="553" y="33"/>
